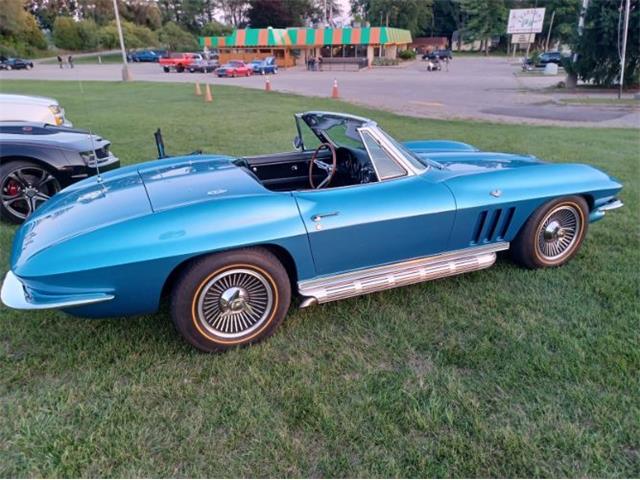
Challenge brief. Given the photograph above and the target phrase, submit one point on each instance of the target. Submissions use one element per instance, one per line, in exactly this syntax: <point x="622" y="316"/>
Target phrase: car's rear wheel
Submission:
<point x="24" y="186"/>
<point x="553" y="234"/>
<point x="230" y="299"/>
<point x="166" y="69"/>
<point x="179" y="69"/>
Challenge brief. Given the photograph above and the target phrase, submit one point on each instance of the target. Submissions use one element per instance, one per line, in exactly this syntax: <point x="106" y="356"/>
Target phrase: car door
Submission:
<point x="366" y="225"/>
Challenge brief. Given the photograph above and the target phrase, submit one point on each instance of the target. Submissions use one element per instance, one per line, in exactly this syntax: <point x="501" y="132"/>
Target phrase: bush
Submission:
<point x="407" y="54"/>
<point x="175" y="38"/>
<point x="88" y="35"/>
<point x="66" y="34"/>
<point x="135" y="36"/>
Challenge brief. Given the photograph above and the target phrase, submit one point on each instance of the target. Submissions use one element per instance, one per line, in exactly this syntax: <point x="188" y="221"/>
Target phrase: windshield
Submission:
<point x="417" y="161"/>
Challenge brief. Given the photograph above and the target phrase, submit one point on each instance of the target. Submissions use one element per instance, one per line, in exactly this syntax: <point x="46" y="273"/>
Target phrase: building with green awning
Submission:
<point x="289" y="44"/>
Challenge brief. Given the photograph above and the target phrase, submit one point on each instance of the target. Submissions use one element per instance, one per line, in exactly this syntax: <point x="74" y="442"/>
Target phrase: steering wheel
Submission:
<point x="330" y="169"/>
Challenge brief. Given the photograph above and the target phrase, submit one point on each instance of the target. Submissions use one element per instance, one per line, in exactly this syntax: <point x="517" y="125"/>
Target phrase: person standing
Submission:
<point x="60" y="61"/>
<point x="70" y="60"/>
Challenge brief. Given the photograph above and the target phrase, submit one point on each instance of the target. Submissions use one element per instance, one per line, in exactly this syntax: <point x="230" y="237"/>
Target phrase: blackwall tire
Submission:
<point x="230" y="299"/>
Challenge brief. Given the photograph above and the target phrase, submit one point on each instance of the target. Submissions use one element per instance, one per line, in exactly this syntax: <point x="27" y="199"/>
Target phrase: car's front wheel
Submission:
<point x="166" y="69"/>
<point x="553" y="234"/>
<point x="230" y="299"/>
<point x="24" y="186"/>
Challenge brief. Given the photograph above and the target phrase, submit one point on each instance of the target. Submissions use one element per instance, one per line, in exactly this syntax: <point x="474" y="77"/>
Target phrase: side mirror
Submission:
<point x="297" y="143"/>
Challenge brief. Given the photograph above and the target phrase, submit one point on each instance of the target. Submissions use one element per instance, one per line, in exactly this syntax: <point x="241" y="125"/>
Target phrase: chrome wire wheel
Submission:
<point x="24" y="189"/>
<point x="235" y="303"/>
<point x="559" y="232"/>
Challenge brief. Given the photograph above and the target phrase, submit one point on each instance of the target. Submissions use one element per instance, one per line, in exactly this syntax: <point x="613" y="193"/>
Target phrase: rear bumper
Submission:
<point x="16" y="295"/>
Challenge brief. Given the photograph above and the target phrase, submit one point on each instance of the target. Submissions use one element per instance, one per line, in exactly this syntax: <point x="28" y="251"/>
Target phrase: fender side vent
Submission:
<point x="507" y="222"/>
<point x="477" y="231"/>
<point x="492" y="225"/>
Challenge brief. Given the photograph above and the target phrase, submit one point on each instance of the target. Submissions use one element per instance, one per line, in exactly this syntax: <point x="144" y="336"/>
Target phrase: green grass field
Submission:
<point x="504" y="372"/>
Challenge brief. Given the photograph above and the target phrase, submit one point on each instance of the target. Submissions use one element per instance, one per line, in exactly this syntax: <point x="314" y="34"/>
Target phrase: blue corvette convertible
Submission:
<point x="351" y="211"/>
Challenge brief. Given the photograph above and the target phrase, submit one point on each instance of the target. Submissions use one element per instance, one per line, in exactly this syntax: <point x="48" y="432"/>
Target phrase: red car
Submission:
<point x="235" y="68"/>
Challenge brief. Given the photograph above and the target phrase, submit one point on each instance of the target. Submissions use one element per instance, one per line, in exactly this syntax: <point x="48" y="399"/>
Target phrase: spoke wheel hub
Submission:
<point x="559" y="232"/>
<point x="235" y="303"/>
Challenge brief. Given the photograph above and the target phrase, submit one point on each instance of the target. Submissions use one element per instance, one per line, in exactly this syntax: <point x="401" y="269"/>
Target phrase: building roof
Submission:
<point x="304" y="37"/>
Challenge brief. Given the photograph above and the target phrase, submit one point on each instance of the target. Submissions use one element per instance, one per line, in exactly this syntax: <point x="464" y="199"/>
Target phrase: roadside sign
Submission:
<point x="523" y="38"/>
<point x="525" y="20"/>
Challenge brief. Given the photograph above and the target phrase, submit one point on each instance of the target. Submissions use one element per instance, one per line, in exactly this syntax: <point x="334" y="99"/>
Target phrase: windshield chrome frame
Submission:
<point x="374" y="130"/>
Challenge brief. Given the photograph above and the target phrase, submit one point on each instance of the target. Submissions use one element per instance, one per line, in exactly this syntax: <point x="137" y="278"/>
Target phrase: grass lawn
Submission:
<point x="601" y="101"/>
<point x="504" y="372"/>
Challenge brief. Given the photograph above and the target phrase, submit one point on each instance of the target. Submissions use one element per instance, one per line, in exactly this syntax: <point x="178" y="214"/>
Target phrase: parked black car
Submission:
<point x="544" y="58"/>
<point x="37" y="160"/>
<point x="438" y="55"/>
<point x="10" y="63"/>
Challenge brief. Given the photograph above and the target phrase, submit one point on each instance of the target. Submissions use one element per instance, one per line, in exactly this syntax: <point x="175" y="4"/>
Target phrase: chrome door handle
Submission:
<point x="320" y="216"/>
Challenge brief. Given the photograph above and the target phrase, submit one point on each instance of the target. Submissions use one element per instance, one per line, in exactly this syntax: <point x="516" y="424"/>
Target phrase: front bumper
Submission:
<point x="16" y="295"/>
<point x="599" y="212"/>
<point x="79" y="172"/>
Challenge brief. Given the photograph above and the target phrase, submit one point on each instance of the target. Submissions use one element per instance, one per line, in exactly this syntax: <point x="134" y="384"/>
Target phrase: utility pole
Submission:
<point x="546" y="47"/>
<point x="572" y="79"/>
<point x="126" y="76"/>
<point x="624" y="45"/>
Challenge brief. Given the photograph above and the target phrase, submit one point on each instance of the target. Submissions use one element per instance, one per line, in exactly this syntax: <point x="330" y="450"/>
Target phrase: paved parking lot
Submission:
<point x="487" y="89"/>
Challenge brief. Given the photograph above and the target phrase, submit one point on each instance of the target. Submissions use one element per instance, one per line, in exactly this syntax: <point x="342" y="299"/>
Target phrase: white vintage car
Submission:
<point x="32" y="109"/>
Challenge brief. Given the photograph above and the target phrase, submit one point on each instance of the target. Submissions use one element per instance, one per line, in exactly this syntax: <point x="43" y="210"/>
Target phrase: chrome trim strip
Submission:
<point x="13" y="295"/>
<point x="612" y="205"/>
<point x="351" y="284"/>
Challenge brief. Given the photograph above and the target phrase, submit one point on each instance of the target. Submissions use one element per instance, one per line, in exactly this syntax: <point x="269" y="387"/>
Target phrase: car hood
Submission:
<point x="468" y="163"/>
<point x="77" y="141"/>
<point x="27" y="99"/>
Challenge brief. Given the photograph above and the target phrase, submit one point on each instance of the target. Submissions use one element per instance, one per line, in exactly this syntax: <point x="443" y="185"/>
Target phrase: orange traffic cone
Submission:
<point x="334" y="90"/>
<point x="267" y="84"/>
<point x="207" y="93"/>
<point x="198" y="91"/>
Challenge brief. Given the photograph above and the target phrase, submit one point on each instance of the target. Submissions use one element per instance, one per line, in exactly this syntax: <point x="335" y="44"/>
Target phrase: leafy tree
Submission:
<point x="413" y="15"/>
<point x="565" y="21"/>
<point x="597" y="50"/>
<point x="100" y="11"/>
<point x="46" y="11"/>
<point x="19" y="32"/>
<point x="234" y="11"/>
<point x="135" y="36"/>
<point x="66" y="34"/>
<point x="279" y="13"/>
<point x="176" y="38"/>
<point x="142" y="12"/>
<point x="215" y="29"/>
<point x="486" y="19"/>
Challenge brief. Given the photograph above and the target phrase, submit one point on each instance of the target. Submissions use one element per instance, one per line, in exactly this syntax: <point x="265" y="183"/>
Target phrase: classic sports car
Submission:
<point x="37" y="160"/>
<point x="266" y="65"/>
<point x="351" y="211"/>
<point x="235" y="68"/>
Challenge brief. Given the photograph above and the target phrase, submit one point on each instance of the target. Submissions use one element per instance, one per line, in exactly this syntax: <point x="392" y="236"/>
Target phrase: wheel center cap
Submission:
<point x="553" y="231"/>
<point x="30" y="192"/>
<point x="234" y="300"/>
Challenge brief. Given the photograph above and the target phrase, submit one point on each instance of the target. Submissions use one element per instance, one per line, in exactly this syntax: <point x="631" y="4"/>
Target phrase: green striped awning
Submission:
<point x="309" y="37"/>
